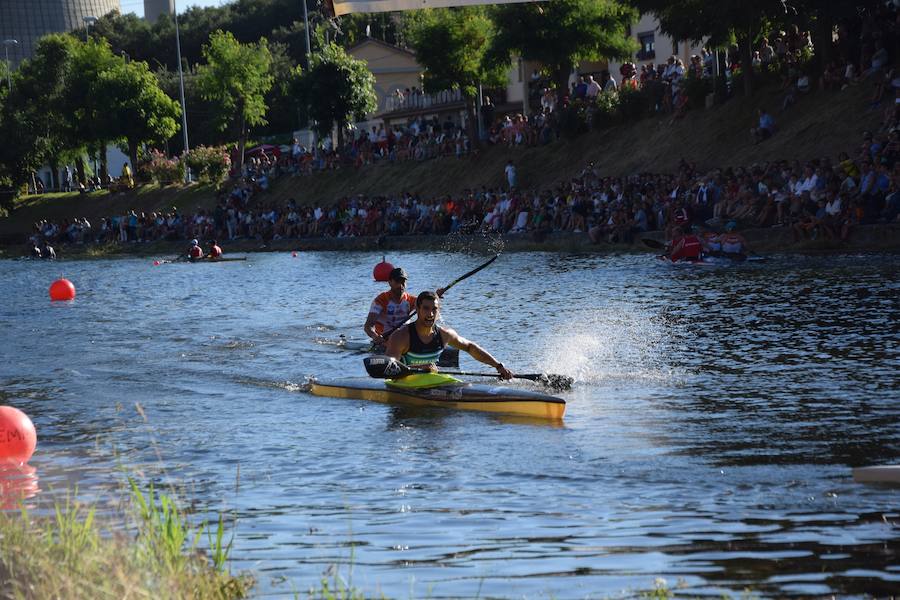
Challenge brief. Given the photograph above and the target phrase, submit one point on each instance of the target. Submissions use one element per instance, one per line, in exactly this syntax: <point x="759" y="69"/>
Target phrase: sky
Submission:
<point x="137" y="6"/>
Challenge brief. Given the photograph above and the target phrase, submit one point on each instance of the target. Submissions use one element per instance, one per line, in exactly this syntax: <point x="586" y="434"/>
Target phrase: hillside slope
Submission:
<point x="821" y="124"/>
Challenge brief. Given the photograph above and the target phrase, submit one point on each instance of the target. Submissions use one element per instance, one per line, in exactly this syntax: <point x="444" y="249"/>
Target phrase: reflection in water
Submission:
<point x="17" y="483"/>
<point x="709" y="436"/>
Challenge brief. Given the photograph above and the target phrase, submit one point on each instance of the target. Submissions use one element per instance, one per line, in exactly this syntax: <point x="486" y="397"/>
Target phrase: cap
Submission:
<point x="398" y="273"/>
<point x="195" y="243"/>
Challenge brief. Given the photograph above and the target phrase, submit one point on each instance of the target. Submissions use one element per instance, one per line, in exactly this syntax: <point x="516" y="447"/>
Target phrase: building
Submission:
<point x="154" y="9"/>
<point x="28" y="20"/>
<point x="655" y="47"/>
<point x="398" y="86"/>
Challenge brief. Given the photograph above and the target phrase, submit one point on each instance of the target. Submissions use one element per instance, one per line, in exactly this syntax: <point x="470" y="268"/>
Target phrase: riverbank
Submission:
<point x="864" y="238"/>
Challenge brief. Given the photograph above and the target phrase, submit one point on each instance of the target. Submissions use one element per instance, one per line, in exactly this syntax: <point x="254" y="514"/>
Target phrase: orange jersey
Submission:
<point x="391" y="314"/>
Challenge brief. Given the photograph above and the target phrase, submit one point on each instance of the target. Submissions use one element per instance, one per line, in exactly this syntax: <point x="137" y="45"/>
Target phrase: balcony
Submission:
<point x="418" y="101"/>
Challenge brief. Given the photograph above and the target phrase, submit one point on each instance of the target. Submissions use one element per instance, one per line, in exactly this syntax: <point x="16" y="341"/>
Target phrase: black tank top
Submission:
<point x="419" y="352"/>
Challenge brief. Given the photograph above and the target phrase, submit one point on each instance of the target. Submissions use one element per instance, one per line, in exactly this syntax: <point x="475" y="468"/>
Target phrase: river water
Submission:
<point x="709" y="438"/>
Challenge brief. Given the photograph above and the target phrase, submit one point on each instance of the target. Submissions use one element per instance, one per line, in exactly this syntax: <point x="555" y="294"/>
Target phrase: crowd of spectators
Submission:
<point x="822" y="197"/>
<point x="825" y="197"/>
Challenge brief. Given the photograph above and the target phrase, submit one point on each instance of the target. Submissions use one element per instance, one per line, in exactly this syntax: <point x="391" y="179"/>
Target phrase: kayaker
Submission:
<point x="214" y="250"/>
<point x="390" y="309"/>
<point x="419" y="344"/>
<point x="685" y="247"/>
<point x="195" y="252"/>
<point x="733" y="243"/>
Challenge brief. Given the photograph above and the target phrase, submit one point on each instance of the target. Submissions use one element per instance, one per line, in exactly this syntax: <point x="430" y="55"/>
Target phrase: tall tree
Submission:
<point x="561" y="33"/>
<point x="719" y="21"/>
<point x="236" y="77"/>
<point x="34" y="118"/>
<point x="337" y="89"/>
<point x="454" y="47"/>
<point x="135" y="107"/>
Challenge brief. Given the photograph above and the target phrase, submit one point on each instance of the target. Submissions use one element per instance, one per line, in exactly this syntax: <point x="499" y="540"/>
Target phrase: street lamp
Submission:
<point x="6" y="45"/>
<point x="88" y="21"/>
<point x="184" y="126"/>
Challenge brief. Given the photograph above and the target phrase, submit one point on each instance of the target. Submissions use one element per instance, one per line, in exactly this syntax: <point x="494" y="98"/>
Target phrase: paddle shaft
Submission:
<point x="447" y="287"/>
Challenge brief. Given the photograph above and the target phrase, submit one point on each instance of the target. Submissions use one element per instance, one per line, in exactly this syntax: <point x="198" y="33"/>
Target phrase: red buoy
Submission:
<point x="382" y="271"/>
<point x="62" y="289"/>
<point x="18" y="438"/>
<point x="294" y="254"/>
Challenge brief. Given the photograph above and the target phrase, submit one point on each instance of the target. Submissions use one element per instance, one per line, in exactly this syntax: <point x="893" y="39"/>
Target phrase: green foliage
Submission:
<point x="605" y="111"/>
<point x="562" y="33"/>
<point x="235" y="78"/>
<point x="209" y="164"/>
<point x="697" y="88"/>
<point x="135" y="107"/>
<point x="337" y="89"/>
<point x="453" y="46"/>
<point x="633" y="103"/>
<point x="162" y="169"/>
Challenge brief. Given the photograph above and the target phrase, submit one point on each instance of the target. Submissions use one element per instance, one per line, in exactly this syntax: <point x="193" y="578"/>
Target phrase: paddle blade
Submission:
<point x="655" y="244"/>
<point x="551" y="380"/>
<point x="384" y="367"/>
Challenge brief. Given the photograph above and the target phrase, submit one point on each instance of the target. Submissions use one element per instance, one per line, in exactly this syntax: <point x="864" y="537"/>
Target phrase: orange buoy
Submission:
<point x="62" y="289"/>
<point x="18" y="438"/>
<point x="382" y="271"/>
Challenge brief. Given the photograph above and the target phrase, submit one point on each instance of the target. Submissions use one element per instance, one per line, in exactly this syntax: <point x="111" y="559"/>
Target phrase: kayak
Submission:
<point x="710" y="261"/>
<point x="449" y="357"/>
<point x="220" y="259"/>
<point x="436" y="389"/>
<point x="877" y="474"/>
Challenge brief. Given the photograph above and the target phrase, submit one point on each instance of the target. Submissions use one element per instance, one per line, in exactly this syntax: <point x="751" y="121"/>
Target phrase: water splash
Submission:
<point x="615" y="344"/>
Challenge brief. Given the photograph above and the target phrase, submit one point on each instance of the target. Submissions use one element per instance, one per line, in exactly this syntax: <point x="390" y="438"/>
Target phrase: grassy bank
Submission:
<point x="152" y="552"/>
<point x="821" y="124"/>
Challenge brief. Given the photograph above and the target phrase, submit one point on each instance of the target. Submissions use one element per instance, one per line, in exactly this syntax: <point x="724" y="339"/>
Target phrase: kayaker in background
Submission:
<point x="685" y="247"/>
<point x="214" y="250"/>
<point x="195" y="252"/>
<point x="48" y="252"/>
<point x="390" y="309"/>
<point x="419" y="344"/>
<point x="733" y="244"/>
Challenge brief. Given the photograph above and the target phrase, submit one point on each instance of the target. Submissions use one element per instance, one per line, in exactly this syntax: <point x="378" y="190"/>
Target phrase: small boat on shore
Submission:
<point x="440" y="390"/>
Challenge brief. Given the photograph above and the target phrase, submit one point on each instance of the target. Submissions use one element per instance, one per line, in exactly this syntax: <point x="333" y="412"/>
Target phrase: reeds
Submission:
<point x="154" y="554"/>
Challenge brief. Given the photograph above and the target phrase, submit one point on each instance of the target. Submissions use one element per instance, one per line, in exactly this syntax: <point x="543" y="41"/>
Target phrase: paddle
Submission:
<point x="387" y="334"/>
<point x="655" y="244"/>
<point x="385" y="367"/>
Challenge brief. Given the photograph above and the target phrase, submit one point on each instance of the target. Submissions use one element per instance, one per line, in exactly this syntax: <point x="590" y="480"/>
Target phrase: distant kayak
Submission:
<point x="710" y="261"/>
<point x="439" y="390"/>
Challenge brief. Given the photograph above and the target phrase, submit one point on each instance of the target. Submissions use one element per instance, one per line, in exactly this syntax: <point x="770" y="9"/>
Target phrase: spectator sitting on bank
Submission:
<point x="765" y="128"/>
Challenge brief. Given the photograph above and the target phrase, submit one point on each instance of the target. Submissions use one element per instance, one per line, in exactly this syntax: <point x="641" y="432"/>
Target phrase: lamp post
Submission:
<point x="88" y="21"/>
<point x="6" y="45"/>
<point x="184" y="124"/>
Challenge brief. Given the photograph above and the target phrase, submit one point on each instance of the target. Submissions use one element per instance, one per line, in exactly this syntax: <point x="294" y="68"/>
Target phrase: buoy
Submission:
<point x="17" y="436"/>
<point x="382" y="271"/>
<point x="62" y="289"/>
<point x="155" y="263"/>
<point x="294" y="254"/>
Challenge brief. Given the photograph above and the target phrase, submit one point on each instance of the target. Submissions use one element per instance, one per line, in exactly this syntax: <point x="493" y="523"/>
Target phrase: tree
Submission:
<point x="718" y="20"/>
<point x="236" y="77"/>
<point x="337" y="89"/>
<point x="562" y="33"/>
<point x="453" y="46"/>
<point x="135" y="107"/>
<point x="34" y="117"/>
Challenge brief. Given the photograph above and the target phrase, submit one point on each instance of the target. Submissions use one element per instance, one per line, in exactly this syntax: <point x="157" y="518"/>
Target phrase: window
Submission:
<point x="648" y="46"/>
